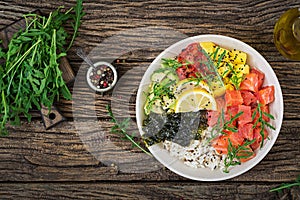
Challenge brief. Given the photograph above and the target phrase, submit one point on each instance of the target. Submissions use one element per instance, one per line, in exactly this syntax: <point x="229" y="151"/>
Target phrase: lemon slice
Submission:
<point x="195" y="99"/>
<point x="188" y="84"/>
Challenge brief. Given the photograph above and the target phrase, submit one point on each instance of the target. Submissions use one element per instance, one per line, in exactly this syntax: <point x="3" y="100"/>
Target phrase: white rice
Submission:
<point x="199" y="154"/>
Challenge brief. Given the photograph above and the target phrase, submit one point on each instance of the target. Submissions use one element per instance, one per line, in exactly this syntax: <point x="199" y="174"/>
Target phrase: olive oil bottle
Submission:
<point x="287" y="34"/>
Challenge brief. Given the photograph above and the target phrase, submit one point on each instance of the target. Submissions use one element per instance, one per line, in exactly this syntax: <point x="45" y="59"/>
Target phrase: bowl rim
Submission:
<point x="96" y="65"/>
<point x="250" y="50"/>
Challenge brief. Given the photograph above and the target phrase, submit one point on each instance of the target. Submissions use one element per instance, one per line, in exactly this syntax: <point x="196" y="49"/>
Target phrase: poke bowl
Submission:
<point x="209" y="107"/>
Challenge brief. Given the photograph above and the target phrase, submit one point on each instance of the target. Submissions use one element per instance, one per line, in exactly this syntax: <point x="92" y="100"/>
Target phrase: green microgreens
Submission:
<point x="235" y="154"/>
<point x="119" y="128"/>
<point x="262" y="121"/>
<point x="286" y="185"/>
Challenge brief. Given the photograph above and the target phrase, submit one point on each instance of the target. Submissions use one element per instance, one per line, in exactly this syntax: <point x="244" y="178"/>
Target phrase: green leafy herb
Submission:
<point x="235" y="78"/>
<point x="221" y="125"/>
<point x="160" y="90"/>
<point x="286" y="185"/>
<point x="173" y="63"/>
<point x="77" y="19"/>
<point x="236" y="153"/>
<point x="120" y="129"/>
<point x="261" y="121"/>
<point x="31" y="76"/>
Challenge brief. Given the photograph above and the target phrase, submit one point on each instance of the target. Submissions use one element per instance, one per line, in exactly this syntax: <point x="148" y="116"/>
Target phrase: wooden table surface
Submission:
<point x="64" y="162"/>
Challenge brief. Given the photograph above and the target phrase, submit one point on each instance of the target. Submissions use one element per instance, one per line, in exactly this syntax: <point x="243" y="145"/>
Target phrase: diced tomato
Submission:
<point x="221" y="144"/>
<point x="246" y="117"/>
<point x="248" y="97"/>
<point x="246" y="153"/>
<point x="266" y="95"/>
<point x="258" y="137"/>
<point x="246" y="131"/>
<point x="212" y="117"/>
<point x="233" y="98"/>
<point x="261" y="76"/>
<point x="250" y="82"/>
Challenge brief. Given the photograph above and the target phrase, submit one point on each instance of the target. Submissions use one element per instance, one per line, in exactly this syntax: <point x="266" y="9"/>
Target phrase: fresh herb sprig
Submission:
<point x="235" y="154"/>
<point x="261" y="121"/>
<point x="119" y="128"/>
<point x="286" y="185"/>
<point x="173" y="63"/>
<point x="159" y="90"/>
<point x="223" y="125"/>
<point x="31" y="75"/>
<point x="235" y="77"/>
<point x="77" y="20"/>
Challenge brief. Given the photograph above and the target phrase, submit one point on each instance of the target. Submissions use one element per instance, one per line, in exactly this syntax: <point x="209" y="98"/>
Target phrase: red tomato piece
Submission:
<point x="266" y="95"/>
<point x="246" y="117"/>
<point x="248" y="97"/>
<point x="233" y="98"/>
<point x="261" y="76"/>
<point x="246" y="131"/>
<point x="250" y="82"/>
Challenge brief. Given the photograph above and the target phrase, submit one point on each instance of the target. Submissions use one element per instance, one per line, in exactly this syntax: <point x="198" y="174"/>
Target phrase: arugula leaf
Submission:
<point x="30" y="76"/>
<point x="77" y="18"/>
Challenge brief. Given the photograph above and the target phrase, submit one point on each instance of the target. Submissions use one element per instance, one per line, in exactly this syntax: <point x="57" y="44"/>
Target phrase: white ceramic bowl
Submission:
<point x="276" y="109"/>
<point x="93" y="86"/>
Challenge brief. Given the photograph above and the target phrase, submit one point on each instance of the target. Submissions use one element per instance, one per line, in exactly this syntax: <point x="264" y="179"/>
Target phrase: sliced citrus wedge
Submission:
<point x="188" y="84"/>
<point x="195" y="99"/>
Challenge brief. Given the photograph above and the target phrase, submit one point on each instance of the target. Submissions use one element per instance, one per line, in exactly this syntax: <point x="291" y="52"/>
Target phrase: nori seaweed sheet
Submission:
<point x="180" y="128"/>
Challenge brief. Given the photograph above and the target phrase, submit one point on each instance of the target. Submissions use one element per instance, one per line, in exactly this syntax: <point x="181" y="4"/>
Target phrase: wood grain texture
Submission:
<point x="59" y="154"/>
<point x="60" y="164"/>
<point x="151" y="190"/>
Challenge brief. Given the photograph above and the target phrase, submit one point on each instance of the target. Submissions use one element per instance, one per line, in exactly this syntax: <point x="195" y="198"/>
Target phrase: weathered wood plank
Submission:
<point x="30" y="153"/>
<point x="152" y="190"/>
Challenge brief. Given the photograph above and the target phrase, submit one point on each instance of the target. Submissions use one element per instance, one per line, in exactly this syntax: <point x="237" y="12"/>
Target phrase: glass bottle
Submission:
<point x="287" y="34"/>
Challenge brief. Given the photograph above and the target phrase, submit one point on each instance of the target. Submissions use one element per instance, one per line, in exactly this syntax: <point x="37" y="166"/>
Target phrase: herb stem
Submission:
<point x="284" y="186"/>
<point x="122" y="130"/>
